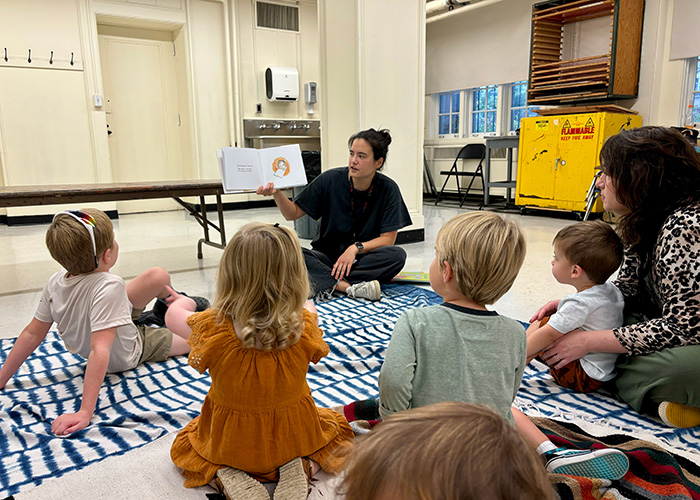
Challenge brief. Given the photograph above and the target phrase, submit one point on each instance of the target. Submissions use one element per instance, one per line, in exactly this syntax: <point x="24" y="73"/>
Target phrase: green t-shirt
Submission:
<point x="451" y="353"/>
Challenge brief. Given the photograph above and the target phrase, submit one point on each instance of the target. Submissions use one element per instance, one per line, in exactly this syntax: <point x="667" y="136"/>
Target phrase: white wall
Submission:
<point x="50" y="131"/>
<point x="372" y="62"/>
<point x="478" y="46"/>
<point x="211" y="83"/>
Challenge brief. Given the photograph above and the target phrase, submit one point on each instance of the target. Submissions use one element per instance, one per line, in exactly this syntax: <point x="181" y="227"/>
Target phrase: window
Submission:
<point x="696" y="94"/>
<point x="448" y="113"/>
<point x="518" y="105"/>
<point x="484" y="109"/>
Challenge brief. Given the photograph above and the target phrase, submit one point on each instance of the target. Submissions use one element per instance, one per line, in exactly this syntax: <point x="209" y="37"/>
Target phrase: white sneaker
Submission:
<point x="370" y="290"/>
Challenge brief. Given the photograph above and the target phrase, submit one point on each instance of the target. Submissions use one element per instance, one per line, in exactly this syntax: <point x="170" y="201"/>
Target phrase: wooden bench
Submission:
<point x="26" y="196"/>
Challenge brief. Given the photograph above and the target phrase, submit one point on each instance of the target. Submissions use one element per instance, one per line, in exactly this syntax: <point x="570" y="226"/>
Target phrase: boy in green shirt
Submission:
<point x="460" y="351"/>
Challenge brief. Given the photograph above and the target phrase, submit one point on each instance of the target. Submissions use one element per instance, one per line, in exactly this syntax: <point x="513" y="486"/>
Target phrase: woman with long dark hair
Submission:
<point x="651" y="180"/>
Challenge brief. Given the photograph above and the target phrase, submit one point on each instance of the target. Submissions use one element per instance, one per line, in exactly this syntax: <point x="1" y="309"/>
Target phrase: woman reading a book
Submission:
<point x="361" y="211"/>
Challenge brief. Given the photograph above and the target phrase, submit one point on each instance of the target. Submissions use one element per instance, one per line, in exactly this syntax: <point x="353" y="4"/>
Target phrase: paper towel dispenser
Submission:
<point x="282" y="83"/>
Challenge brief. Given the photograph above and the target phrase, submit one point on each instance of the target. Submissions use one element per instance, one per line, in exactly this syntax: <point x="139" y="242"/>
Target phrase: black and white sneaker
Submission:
<point x="156" y="316"/>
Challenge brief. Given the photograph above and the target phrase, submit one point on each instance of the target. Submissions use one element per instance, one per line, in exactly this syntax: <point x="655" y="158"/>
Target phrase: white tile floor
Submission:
<point x="169" y="239"/>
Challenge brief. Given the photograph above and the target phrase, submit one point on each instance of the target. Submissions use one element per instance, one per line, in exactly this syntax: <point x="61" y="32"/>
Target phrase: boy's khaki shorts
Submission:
<point x="156" y="341"/>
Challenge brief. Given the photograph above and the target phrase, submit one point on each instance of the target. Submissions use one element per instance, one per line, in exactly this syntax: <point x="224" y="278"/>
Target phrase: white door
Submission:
<point x="141" y="102"/>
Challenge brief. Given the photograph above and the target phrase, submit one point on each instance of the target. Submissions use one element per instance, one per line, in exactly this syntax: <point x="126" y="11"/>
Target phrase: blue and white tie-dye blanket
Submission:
<point x="155" y="399"/>
<point x="141" y="405"/>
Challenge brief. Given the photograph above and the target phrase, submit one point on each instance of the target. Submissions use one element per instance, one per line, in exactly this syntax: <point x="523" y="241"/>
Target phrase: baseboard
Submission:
<point x="237" y="205"/>
<point x="23" y="220"/>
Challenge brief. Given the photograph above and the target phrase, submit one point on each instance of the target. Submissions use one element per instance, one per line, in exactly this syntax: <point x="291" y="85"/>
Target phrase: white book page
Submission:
<point x="222" y="171"/>
<point x="241" y="169"/>
<point x="283" y="166"/>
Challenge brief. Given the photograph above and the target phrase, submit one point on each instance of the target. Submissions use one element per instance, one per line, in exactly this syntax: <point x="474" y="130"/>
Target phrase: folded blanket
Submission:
<point x="654" y="473"/>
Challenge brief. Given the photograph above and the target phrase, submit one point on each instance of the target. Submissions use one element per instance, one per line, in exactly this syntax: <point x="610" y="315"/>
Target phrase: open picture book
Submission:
<point x="244" y="169"/>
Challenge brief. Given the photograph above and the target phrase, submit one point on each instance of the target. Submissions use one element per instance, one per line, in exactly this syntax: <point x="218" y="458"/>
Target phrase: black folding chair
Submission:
<point x="468" y="152"/>
<point x="592" y="195"/>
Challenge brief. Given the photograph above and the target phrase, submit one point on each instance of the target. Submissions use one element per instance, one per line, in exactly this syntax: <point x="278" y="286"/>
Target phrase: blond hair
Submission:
<point x="594" y="246"/>
<point x="69" y="242"/>
<point x="485" y="252"/>
<point x="262" y="284"/>
<point x="445" y="451"/>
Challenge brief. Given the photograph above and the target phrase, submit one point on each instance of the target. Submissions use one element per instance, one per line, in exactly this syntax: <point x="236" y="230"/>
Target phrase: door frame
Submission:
<point x="185" y="94"/>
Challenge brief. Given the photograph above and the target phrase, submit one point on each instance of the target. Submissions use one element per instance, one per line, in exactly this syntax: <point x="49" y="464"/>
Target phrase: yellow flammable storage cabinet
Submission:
<point x="558" y="156"/>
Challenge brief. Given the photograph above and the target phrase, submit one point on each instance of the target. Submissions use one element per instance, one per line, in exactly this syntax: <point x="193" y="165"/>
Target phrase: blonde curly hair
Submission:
<point x="262" y="284"/>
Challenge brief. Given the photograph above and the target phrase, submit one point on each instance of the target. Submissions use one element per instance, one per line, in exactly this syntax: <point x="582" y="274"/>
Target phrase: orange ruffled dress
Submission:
<point x="258" y="413"/>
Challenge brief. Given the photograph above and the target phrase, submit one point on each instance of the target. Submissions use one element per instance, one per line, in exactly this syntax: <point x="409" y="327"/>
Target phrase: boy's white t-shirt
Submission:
<point x="87" y="303"/>
<point x="597" y="308"/>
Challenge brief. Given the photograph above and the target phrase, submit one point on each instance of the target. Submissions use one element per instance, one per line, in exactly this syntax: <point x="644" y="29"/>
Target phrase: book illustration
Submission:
<point x="280" y="167"/>
<point x="245" y="169"/>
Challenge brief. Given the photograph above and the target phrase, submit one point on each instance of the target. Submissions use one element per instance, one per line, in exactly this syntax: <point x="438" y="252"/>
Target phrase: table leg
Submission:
<point x="222" y="228"/>
<point x="201" y="218"/>
<point x="205" y="225"/>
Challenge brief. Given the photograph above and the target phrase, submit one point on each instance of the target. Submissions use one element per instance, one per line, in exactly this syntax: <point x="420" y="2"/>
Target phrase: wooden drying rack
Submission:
<point x="614" y="74"/>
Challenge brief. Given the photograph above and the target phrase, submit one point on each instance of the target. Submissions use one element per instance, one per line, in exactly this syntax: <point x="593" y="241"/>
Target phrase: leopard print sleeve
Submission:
<point x="676" y="276"/>
<point x="628" y="281"/>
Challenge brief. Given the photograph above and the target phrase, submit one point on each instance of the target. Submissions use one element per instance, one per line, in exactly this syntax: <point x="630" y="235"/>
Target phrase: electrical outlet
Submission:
<point x="258" y="107"/>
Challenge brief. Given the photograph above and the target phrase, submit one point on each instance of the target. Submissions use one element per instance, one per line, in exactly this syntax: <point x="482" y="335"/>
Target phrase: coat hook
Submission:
<point x="29" y="59"/>
<point x="5" y="54"/>
<point x="51" y="58"/>
<point x="71" y="59"/>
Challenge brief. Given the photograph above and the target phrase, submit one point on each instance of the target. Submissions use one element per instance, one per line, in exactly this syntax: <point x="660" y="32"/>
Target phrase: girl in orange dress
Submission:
<point x="256" y="341"/>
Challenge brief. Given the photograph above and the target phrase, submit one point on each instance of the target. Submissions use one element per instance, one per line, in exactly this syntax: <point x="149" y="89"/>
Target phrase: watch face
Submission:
<point x="359" y="246"/>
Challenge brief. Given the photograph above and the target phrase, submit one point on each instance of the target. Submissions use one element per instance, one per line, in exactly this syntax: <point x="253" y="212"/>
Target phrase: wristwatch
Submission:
<point x="360" y="247"/>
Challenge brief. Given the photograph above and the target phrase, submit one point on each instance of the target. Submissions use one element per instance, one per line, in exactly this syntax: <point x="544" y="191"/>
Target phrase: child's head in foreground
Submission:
<point x="70" y="242"/>
<point x="445" y="451"/>
<point x="262" y="285"/>
<point x="485" y="252"/>
<point x="594" y="246"/>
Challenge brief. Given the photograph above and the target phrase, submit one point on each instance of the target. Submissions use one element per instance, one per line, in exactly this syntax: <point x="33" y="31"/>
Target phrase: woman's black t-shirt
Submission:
<point x="329" y="199"/>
